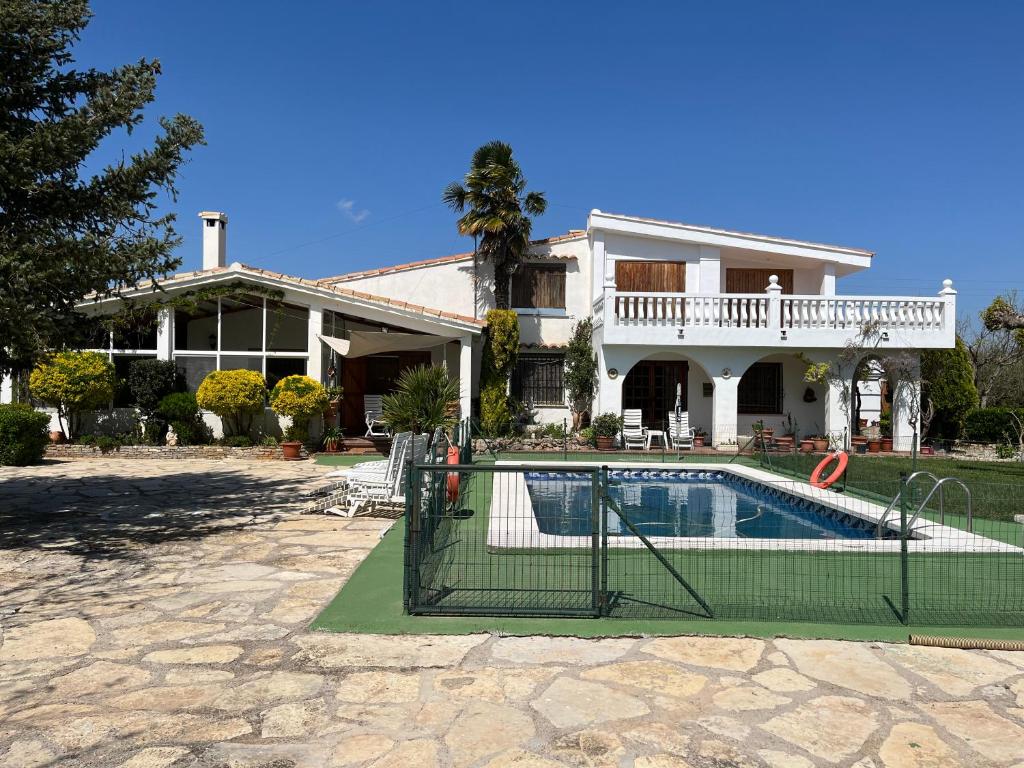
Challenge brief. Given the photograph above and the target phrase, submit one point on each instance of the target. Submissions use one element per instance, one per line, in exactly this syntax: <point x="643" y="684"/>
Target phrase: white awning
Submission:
<point x="362" y="343"/>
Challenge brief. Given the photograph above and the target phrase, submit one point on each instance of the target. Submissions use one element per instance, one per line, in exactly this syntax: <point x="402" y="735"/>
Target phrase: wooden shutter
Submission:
<point x="539" y="286"/>
<point x="650" y="276"/>
<point x="756" y="280"/>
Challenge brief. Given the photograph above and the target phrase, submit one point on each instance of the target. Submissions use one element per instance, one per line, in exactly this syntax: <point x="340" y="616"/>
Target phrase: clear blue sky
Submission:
<point x="334" y="126"/>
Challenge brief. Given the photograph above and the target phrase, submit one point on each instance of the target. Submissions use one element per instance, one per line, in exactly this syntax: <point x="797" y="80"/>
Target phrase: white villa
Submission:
<point x="722" y="314"/>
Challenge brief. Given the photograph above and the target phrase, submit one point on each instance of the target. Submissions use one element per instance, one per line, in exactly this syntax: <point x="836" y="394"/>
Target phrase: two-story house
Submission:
<point x="726" y="321"/>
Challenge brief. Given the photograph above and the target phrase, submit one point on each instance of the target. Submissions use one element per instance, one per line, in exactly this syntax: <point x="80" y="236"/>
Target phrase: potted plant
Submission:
<point x="56" y="436"/>
<point x="806" y="445"/>
<point x="699" y="435"/>
<point x="300" y="398"/>
<point x="874" y="444"/>
<point x="606" y="427"/>
<point x="820" y="442"/>
<point x="332" y="439"/>
<point x="335" y="394"/>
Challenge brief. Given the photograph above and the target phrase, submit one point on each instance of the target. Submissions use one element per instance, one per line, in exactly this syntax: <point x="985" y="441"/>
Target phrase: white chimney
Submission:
<point x="215" y="239"/>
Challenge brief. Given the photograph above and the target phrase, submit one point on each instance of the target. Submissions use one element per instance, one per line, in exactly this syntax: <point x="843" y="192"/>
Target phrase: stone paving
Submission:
<point x="154" y="615"/>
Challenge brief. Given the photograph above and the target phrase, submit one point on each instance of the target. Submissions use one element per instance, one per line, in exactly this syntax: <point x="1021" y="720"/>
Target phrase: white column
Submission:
<point x="609" y="390"/>
<point x="314" y="369"/>
<point x="466" y="376"/>
<point x="724" y="404"/>
<point x="598" y="266"/>
<point x="710" y="282"/>
<point x="836" y="422"/>
<point x="948" y="294"/>
<point x="828" y="280"/>
<point x="165" y="334"/>
<point x="6" y="389"/>
<point x="906" y="411"/>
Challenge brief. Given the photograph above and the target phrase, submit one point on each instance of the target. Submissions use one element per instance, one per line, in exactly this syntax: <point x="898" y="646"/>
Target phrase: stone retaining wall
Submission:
<point x="66" y="451"/>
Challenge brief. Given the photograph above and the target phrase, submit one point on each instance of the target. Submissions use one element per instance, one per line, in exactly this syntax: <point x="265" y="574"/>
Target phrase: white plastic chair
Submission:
<point x="374" y="409"/>
<point x="634" y="433"/>
<point x="680" y="433"/>
<point x="373" y="469"/>
<point x="389" y="491"/>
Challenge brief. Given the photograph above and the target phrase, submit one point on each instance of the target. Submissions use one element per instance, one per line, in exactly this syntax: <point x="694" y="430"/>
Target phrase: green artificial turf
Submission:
<point x="344" y="459"/>
<point x="371" y="602"/>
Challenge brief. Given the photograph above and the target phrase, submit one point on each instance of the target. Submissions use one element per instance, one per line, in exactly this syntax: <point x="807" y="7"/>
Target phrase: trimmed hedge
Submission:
<point x="23" y="435"/>
<point x="991" y="425"/>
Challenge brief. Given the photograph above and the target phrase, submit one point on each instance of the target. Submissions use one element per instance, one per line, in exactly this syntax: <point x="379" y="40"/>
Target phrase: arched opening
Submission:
<point x="653" y="384"/>
<point x="773" y="394"/>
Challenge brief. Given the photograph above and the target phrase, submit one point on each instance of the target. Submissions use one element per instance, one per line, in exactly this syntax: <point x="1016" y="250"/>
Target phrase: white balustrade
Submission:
<point x="682" y="310"/>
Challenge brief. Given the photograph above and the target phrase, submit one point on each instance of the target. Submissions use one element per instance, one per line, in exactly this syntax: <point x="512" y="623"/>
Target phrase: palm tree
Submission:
<point x="496" y="209"/>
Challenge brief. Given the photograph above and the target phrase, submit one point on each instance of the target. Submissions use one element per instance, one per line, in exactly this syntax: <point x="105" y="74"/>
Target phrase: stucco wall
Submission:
<point x="448" y="286"/>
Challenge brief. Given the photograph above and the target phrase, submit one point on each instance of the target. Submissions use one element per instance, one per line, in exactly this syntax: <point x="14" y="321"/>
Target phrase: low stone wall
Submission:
<point x="261" y="452"/>
<point x="552" y="444"/>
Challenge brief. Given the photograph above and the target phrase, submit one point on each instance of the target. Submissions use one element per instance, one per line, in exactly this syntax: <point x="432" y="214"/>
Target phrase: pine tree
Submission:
<point x="66" y="233"/>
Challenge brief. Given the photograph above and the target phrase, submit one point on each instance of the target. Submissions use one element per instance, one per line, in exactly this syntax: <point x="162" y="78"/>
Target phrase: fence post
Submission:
<point x="904" y="575"/>
<point x="412" y="520"/>
<point x="604" y="541"/>
<point x="565" y="439"/>
<point x="595" y="541"/>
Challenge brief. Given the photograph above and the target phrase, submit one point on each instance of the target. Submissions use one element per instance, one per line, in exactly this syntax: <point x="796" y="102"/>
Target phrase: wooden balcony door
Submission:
<point x="650" y="276"/>
<point x="650" y="386"/>
<point x="756" y="280"/>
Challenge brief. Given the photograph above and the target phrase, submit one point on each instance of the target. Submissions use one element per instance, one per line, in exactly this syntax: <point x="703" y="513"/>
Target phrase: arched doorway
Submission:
<point x="652" y="385"/>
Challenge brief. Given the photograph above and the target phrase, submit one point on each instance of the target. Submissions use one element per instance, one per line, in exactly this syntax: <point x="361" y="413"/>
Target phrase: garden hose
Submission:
<point x="967" y="643"/>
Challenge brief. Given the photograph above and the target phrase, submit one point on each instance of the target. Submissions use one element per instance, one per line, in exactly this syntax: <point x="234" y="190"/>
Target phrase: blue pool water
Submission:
<point x="688" y="503"/>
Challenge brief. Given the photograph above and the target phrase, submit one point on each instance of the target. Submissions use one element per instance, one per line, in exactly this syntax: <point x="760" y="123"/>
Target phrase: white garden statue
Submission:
<point x="172" y="436"/>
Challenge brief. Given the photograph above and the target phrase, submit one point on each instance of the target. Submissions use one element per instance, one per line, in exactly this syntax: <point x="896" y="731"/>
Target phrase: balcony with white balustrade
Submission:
<point x="772" y="319"/>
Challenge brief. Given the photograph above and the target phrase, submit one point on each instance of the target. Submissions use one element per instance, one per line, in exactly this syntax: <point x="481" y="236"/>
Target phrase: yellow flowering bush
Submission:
<point x="236" y="396"/>
<point x="73" y="382"/>
<point x="300" y="398"/>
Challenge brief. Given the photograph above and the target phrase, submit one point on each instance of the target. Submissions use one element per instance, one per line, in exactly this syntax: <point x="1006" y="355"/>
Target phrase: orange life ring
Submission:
<point x="816" y="480"/>
<point x="453" y="477"/>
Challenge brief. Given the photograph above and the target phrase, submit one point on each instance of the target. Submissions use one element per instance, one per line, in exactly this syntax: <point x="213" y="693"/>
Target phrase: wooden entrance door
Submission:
<point x="371" y="375"/>
<point x="651" y="386"/>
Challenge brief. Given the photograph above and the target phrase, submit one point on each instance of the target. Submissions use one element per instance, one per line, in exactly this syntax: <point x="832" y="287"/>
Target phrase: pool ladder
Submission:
<point x="938" y="484"/>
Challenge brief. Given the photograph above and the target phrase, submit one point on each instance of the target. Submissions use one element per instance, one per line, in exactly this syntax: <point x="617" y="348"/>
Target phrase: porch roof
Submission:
<point x="446" y="321"/>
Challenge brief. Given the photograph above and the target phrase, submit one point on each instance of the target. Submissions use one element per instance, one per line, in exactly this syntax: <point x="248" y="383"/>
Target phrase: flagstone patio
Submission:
<point x="153" y="614"/>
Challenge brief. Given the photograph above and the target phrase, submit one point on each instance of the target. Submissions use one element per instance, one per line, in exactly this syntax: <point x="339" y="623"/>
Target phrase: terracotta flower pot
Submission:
<point x="886" y="444"/>
<point x="806" y="446"/>
<point x="292" y="450"/>
<point x="698" y="441"/>
<point x="927" y="450"/>
<point x="820" y="444"/>
<point x="604" y="443"/>
<point x="56" y="437"/>
<point x="874" y="446"/>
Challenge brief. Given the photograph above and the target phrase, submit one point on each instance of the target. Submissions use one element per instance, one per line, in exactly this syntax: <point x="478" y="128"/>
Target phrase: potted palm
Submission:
<point x="606" y="427"/>
<point x="699" y="437"/>
<point x="300" y="398"/>
<point x="332" y="439"/>
<point x="425" y="398"/>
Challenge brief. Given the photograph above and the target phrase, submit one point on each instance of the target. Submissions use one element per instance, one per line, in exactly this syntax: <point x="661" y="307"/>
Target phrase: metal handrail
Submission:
<point x="942" y="509"/>
<point x="896" y="498"/>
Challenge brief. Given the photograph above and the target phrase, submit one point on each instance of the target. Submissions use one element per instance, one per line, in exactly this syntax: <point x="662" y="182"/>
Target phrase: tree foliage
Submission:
<point x="580" y="370"/>
<point x="181" y="411"/>
<point x="496" y="209"/>
<point x="501" y="350"/>
<point x="73" y="382"/>
<point x="947" y="390"/>
<point x="426" y="398"/>
<point x="300" y="398"/>
<point x="236" y="396"/>
<point x="996" y="350"/>
<point x="64" y="235"/>
<point x="150" y="381"/>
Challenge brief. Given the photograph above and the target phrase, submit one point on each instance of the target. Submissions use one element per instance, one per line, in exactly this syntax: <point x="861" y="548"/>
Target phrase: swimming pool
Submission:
<point x="680" y="503"/>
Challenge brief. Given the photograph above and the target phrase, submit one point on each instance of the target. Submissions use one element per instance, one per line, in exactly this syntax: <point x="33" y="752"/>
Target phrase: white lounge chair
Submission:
<point x="634" y="434"/>
<point x="680" y="433"/>
<point x="389" y="490"/>
<point x="374" y="408"/>
<point x="373" y="469"/>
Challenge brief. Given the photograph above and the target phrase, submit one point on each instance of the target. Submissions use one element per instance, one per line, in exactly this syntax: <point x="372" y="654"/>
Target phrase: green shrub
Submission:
<point x="300" y="398"/>
<point x="553" y="430"/>
<point x="991" y="425"/>
<point x="606" y="425"/>
<point x="181" y="411"/>
<point x="149" y="381"/>
<point x="500" y="352"/>
<point x="948" y="389"/>
<point x="73" y="382"/>
<point x="1006" y="451"/>
<point x="426" y="398"/>
<point x="236" y="441"/>
<point x="580" y="371"/>
<point x="23" y="435"/>
<point x="236" y="396"/>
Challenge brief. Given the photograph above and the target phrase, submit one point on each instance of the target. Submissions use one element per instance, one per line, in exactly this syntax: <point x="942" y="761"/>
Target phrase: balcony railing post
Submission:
<point x="774" y="291"/>
<point x="948" y="293"/>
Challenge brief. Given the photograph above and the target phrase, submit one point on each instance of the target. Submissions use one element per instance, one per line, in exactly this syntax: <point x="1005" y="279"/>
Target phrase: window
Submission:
<point x="538" y="379"/>
<point x="539" y="286"/>
<point x="760" y="389"/>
